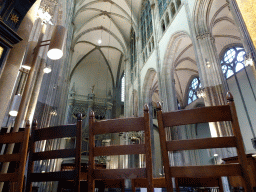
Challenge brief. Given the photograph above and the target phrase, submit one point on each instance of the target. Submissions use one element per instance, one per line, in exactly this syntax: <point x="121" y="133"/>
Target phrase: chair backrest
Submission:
<point x="49" y="133"/>
<point x="203" y="115"/>
<point x="117" y="126"/>
<point x="11" y="138"/>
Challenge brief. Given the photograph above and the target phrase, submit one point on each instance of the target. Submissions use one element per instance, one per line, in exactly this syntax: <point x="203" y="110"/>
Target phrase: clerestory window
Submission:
<point x="162" y="5"/>
<point x="146" y="23"/>
<point x="133" y="48"/>
<point x="192" y="90"/>
<point x="233" y="61"/>
<point x="123" y="88"/>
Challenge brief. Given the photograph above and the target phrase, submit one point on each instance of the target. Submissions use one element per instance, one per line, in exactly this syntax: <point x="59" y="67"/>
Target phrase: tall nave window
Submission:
<point x="162" y="4"/>
<point x="133" y="48"/>
<point x="123" y="88"/>
<point x="233" y="61"/>
<point x="192" y="90"/>
<point x="146" y="23"/>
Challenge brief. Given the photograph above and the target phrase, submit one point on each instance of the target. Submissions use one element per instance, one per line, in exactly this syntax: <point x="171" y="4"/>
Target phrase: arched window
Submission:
<point x="173" y="10"/>
<point x="146" y="23"/>
<point x="232" y="61"/>
<point x="152" y="43"/>
<point x="178" y="2"/>
<point x="167" y="19"/>
<point x="178" y="104"/>
<point x="162" y="4"/>
<point x="163" y="26"/>
<point x="123" y="88"/>
<point x="192" y="90"/>
<point x="133" y="48"/>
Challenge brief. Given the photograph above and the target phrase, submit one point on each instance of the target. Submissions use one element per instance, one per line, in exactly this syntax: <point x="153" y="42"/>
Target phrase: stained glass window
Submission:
<point x="178" y="2"/>
<point x="173" y="10"/>
<point x="232" y="61"/>
<point x="162" y="4"/>
<point x="133" y="48"/>
<point x="146" y="23"/>
<point x="192" y="91"/>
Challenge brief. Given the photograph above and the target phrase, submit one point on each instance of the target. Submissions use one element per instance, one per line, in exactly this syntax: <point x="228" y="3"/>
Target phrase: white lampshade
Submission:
<point x="29" y="55"/>
<point x="48" y="69"/>
<point x="15" y="105"/>
<point x="57" y="43"/>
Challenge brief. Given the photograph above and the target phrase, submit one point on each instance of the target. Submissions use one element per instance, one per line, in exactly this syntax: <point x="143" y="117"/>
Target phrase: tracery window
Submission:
<point x="232" y="61"/>
<point x="192" y="90"/>
<point x="178" y="2"/>
<point x="133" y="48"/>
<point x="146" y="23"/>
<point x="173" y="10"/>
<point x="167" y="19"/>
<point x="162" y="4"/>
<point x="123" y="88"/>
<point x="163" y="26"/>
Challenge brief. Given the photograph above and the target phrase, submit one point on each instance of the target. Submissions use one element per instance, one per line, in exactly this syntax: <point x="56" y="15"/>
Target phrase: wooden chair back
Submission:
<point x="49" y="133"/>
<point x="203" y="115"/>
<point x="117" y="126"/>
<point x="20" y="158"/>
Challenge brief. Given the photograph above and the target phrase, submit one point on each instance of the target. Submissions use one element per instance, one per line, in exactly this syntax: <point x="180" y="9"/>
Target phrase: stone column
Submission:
<point x="15" y="59"/>
<point x="214" y="85"/>
<point x="212" y="78"/>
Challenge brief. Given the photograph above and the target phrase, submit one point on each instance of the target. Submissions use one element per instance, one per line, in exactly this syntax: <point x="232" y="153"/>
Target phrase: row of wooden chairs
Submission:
<point x="207" y="176"/>
<point x="140" y="177"/>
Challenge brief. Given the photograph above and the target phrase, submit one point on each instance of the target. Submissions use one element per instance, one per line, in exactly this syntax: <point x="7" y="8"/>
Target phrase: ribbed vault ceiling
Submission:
<point x="108" y="21"/>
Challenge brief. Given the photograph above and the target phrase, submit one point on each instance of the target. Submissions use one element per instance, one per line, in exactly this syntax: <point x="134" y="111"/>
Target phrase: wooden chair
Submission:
<point x="20" y="158"/>
<point x="117" y="126"/>
<point x="203" y="115"/>
<point x="55" y="133"/>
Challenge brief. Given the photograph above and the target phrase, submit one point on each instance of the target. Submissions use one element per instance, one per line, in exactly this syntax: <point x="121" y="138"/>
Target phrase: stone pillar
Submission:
<point x="214" y="85"/>
<point x="212" y="78"/>
<point x="15" y="59"/>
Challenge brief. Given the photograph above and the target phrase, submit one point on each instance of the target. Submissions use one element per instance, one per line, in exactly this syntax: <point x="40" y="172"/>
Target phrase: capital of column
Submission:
<point x="205" y="35"/>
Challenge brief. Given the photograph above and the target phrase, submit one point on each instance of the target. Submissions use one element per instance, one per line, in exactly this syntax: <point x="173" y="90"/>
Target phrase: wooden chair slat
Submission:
<point x="207" y="171"/>
<point x="119" y="150"/>
<point x="119" y="125"/>
<point x="55" y="154"/>
<point x="142" y="183"/>
<point x="55" y="132"/>
<point x="13" y="177"/>
<point x="15" y="137"/>
<point x="113" y="183"/>
<point x="199" y="115"/>
<point x="206" y="143"/>
<point x="120" y="173"/>
<point x="198" y="182"/>
<point x="53" y="176"/>
<point x="10" y="157"/>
